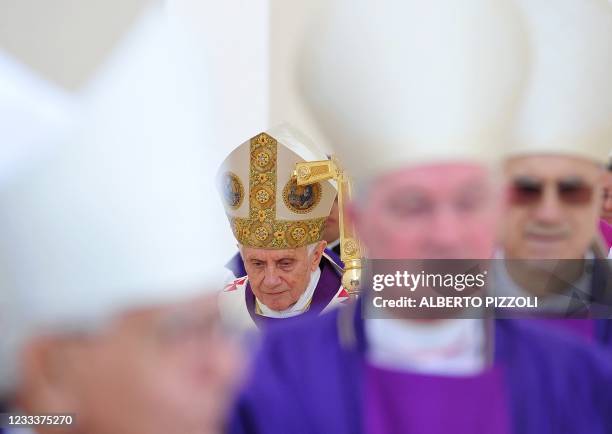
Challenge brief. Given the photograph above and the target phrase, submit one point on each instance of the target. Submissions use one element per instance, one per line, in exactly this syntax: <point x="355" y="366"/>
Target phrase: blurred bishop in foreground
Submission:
<point x="108" y="286"/>
<point x="416" y="95"/>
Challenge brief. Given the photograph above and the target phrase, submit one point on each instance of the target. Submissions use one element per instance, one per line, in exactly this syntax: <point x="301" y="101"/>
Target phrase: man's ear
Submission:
<point x="317" y="255"/>
<point x="50" y="373"/>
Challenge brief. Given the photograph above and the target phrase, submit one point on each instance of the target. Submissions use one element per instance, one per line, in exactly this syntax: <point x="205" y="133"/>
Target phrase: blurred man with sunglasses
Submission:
<point x="552" y="245"/>
<point x="554" y="206"/>
<point x="555" y="173"/>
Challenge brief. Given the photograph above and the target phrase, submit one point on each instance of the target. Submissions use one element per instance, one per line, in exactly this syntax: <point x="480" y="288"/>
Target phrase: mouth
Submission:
<point x="274" y="293"/>
<point x="545" y="238"/>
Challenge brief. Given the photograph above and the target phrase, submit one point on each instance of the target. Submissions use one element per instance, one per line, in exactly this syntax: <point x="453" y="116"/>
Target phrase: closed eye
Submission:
<point x="407" y="206"/>
<point x="287" y="263"/>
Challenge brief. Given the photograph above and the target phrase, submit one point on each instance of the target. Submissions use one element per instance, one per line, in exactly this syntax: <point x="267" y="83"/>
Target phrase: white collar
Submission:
<point x="445" y="347"/>
<point x="300" y="306"/>
<point x="332" y="244"/>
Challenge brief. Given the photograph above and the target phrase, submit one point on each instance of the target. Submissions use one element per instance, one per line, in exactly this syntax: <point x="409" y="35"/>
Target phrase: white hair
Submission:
<point x="310" y="249"/>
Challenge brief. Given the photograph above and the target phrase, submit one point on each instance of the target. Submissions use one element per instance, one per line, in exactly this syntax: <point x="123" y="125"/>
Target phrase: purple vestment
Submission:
<point x="399" y="402"/>
<point x="311" y="377"/>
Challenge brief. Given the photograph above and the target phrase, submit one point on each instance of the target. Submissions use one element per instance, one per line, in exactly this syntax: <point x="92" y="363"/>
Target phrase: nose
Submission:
<point x="271" y="276"/>
<point x="549" y="209"/>
<point x="445" y="230"/>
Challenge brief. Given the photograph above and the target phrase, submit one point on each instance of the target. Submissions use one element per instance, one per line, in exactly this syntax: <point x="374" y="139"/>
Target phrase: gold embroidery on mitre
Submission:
<point x="261" y="229"/>
<point x="280" y="234"/>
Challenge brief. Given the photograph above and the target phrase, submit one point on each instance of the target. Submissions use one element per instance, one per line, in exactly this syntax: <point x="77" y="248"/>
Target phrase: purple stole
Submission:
<point x="327" y="287"/>
<point x="400" y="402"/>
<point x="312" y="377"/>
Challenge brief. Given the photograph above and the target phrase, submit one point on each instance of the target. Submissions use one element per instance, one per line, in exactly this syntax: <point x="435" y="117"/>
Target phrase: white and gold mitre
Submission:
<point x="265" y="206"/>
<point x="567" y="106"/>
<point x="396" y="83"/>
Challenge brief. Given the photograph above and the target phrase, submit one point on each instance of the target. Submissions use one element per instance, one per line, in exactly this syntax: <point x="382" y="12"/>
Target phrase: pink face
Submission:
<point x="554" y="206"/>
<point x="445" y="211"/>
<point x="160" y="370"/>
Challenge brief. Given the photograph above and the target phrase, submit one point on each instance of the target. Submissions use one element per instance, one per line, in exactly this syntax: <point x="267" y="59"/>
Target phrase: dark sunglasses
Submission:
<point x="529" y="191"/>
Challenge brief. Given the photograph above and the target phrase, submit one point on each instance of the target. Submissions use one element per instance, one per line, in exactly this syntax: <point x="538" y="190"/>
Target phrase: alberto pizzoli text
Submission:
<point x="456" y="302"/>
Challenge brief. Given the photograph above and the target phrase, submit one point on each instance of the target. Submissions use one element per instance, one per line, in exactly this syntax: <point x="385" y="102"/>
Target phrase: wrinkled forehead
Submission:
<point x="251" y="253"/>
<point x="553" y="167"/>
<point x="436" y="180"/>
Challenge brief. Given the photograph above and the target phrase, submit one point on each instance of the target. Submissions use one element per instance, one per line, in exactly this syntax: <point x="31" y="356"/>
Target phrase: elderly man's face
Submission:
<point x="606" y="207"/>
<point x="554" y="205"/>
<point x="154" y="371"/>
<point x="444" y="211"/>
<point x="279" y="277"/>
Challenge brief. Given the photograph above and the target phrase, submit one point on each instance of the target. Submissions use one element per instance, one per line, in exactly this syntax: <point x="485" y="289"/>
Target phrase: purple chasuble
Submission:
<point x="312" y="377"/>
<point x="584" y="328"/>
<point x="405" y="403"/>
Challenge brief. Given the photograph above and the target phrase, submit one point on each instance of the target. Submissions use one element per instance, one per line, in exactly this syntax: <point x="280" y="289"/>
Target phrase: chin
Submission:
<point x="277" y="305"/>
<point x="541" y="257"/>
